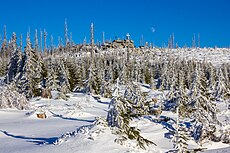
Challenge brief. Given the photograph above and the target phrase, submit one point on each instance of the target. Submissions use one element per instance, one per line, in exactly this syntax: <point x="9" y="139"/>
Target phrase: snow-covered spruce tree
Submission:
<point x="227" y="81"/>
<point x="182" y="96"/>
<point x="13" y="66"/>
<point x="5" y="54"/>
<point x="114" y="71"/>
<point x="220" y="87"/>
<point x="79" y="78"/>
<point x="181" y="135"/>
<point x="158" y="67"/>
<point x="85" y="66"/>
<point x="137" y="98"/>
<point x="71" y="70"/>
<point x="94" y="79"/>
<point x="106" y="87"/>
<point x="202" y="109"/>
<point x="171" y="73"/>
<point x="147" y="74"/>
<point x="113" y="106"/>
<point x="153" y="82"/>
<point x="121" y="113"/>
<point x="3" y="66"/>
<point x="10" y="98"/>
<point x="177" y="93"/>
<point x="140" y="72"/>
<point x="172" y="95"/>
<point x="164" y="79"/>
<point x="30" y="76"/>
<point x="64" y="86"/>
<point x="226" y="72"/>
<point x="212" y="77"/>
<point x="185" y="68"/>
<point x="42" y="70"/>
<point x="52" y="82"/>
<point x="126" y="73"/>
<point x="4" y="47"/>
<point x="190" y="72"/>
<point x="106" y="90"/>
<point x="211" y="81"/>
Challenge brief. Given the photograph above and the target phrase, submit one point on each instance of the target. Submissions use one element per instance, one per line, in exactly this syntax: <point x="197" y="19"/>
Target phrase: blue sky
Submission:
<point x="184" y="18"/>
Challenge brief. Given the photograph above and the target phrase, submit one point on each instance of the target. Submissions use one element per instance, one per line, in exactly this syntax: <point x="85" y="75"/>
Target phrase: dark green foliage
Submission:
<point x="71" y="72"/>
<point x="147" y="76"/>
<point x="94" y="82"/>
<point x="3" y="67"/>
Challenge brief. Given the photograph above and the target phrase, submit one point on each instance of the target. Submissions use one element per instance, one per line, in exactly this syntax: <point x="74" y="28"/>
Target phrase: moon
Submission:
<point x="153" y="29"/>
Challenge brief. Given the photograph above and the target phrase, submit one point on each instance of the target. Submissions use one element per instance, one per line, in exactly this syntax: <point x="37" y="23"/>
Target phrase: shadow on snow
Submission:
<point x="36" y="141"/>
<point x="166" y="122"/>
<point x="69" y="118"/>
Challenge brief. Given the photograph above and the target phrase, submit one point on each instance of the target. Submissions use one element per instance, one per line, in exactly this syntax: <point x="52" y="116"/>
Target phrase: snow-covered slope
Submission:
<point x="70" y="127"/>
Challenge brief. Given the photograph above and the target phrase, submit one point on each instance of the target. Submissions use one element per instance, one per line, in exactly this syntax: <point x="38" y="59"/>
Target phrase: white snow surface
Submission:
<point x="69" y="128"/>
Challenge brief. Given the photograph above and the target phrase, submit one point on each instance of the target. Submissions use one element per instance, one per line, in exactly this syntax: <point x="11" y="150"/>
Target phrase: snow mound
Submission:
<point x="76" y="114"/>
<point x="103" y="138"/>
<point x="89" y="132"/>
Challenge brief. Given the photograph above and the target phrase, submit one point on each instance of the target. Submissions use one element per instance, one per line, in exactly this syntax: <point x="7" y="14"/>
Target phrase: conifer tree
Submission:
<point x="30" y="76"/>
<point x="181" y="135"/>
<point x="5" y="54"/>
<point x="13" y="66"/>
<point x="63" y="78"/>
<point x="147" y="75"/>
<point x="9" y="98"/>
<point x="227" y="82"/>
<point x="201" y="108"/>
<point x="122" y="111"/>
<point x="70" y="70"/>
<point x="94" y="80"/>
<point x="52" y="81"/>
<point x="126" y="73"/>
<point x="211" y="81"/>
<point x="220" y="87"/>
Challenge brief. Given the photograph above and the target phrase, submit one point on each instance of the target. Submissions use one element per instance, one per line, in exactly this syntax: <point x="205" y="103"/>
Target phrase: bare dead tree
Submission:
<point x="198" y="40"/>
<point x="103" y="37"/>
<point x="5" y="36"/>
<point x="52" y="44"/>
<point x="21" y="42"/>
<point x="4" y="44"/>
<point x="45" y="36"/>
<point x="66" y="33"/>
<point x="173" y="43"/>
<point x="84" y="41"/>
<point x="170" y="42"/>
<point x="41" y="35"/>
<point x="92" y="38"/>
<point x="142" y="40"/>
<point x="71" y="39"/>
<point x="194" y="41"/>
<point x="92" y="34"/>
<point x="36" y="40"/>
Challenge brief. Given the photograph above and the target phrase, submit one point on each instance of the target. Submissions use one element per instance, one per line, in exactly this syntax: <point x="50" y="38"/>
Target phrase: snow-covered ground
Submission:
<point x="70" y="128"/>
<point x="22" y="131"/>
<point x="216" y="56"/>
